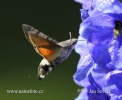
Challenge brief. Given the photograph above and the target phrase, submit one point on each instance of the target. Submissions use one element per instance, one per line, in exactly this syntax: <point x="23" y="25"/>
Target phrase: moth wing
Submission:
<point x="43" y="44"/>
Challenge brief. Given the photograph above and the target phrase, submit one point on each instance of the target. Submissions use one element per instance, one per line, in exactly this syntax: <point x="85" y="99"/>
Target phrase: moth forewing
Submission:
<point x="31" y="30"/>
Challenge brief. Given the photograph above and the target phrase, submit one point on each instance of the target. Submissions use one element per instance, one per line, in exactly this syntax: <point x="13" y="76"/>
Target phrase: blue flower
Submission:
<point x="99" y="70"/>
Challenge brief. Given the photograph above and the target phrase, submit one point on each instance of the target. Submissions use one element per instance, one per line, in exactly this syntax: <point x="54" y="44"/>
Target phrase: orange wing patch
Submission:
<point x="45" y="52"/>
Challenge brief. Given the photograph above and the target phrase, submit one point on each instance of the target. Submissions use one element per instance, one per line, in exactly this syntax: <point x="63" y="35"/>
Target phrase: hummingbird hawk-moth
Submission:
<point x="53" y="52"/>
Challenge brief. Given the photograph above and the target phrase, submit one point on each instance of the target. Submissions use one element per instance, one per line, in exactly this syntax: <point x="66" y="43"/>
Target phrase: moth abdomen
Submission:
<point x="41" y="73"/>
<point x="44" y="70"/>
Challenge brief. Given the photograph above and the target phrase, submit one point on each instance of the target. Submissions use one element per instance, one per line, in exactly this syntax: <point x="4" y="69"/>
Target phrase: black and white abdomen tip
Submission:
<point x="41" y="73"/>
<point x="44" y="68"/>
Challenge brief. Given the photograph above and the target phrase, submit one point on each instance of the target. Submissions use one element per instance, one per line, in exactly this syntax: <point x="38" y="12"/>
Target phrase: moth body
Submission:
<point x="53" y="53"/>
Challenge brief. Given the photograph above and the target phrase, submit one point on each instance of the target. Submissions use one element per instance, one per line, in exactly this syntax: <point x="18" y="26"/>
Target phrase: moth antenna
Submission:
<point x="70" y="35"/>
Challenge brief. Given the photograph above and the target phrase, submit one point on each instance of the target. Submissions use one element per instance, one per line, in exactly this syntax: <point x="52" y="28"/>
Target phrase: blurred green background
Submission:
<point x="19" y="61"/>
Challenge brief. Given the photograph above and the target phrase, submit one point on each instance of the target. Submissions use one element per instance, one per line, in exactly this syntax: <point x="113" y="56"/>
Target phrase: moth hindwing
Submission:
<point x="53" y="52"/>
